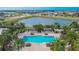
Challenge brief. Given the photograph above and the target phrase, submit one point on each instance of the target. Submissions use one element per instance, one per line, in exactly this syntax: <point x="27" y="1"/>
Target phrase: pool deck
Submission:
<point x="20" y="35"/>
<point x="36" y="47"/>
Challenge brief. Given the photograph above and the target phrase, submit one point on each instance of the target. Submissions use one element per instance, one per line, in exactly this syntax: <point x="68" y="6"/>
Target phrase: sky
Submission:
<point x="39" y="8"/>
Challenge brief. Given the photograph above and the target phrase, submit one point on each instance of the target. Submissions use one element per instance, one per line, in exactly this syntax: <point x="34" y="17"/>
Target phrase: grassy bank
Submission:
<point x="13" y="20"/>
<point x="62" y="17"/>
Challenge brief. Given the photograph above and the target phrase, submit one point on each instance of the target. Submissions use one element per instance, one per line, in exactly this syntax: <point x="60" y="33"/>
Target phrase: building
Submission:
<point x="2" y="29"/>
<point x="58" y="30"/>
<point x="47" y="30"/>
<point x="31" y="30"/>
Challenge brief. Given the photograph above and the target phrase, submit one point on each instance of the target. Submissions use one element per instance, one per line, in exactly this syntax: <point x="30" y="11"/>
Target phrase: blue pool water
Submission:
<point x="39" y="39"/>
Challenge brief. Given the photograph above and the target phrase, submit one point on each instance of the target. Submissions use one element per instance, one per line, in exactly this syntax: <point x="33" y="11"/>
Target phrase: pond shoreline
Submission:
<point x="61" y="17"/>
<point x="51" y="17"/>
<point x="44" y="21"/>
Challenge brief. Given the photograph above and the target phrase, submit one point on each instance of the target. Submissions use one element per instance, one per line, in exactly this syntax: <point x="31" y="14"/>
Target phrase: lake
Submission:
<point x="43" y="21"/>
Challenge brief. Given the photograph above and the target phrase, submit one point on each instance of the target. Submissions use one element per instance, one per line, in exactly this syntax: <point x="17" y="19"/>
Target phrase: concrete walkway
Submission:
<point x="36" y="47"/>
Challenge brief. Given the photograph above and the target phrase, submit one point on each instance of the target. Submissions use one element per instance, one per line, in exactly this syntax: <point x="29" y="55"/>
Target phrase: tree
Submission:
<point x="50" y="26"/>
<point x="68" y="41"/>
<point x="74" y="25"/>
<point x="57" y="46"/>
<point x="5" y="41"/>
<point x="65" y="29"/>
<point x="56" y="26"/>
<point x="18" y="43"/>
<point x="39" y="27"/>
<point x="70" y="38"/>
<point x="9" y="39"/>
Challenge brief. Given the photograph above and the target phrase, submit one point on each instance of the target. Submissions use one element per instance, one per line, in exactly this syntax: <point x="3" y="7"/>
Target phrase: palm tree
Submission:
<point x="50" y="26"/>
<point x="17" y="44"/>
<point x="1" y="42"/>
<point x="71" y="38"/>
<point x="9" y="39"/>
<point x="74" y="25"/>
<point x="57" y="46"/>
<point x="5" y="41"/>
<point x="65" y="29"/>
<point x="39" y="27"/>
<point x="56" y="26"/>
<point x="68" y="41"/>
<point x="20" y="27"/>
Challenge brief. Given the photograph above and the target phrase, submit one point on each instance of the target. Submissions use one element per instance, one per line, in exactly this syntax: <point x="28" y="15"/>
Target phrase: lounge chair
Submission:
<point x="28" y="44"/>
<point x="48" y="44"/>
<point x="32" y="33"/>
<point x="46" y="33"/>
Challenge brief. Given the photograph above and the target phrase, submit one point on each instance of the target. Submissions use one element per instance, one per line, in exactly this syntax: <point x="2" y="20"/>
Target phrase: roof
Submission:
<point x="58" y="29"/>
<point x="30" y="28"/>
<point x="47" y="29"/>
<point x="1" y="29"/>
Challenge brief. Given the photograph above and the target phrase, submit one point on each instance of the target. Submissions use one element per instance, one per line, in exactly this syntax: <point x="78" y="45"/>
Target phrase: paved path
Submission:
<point x="36" y="47"/>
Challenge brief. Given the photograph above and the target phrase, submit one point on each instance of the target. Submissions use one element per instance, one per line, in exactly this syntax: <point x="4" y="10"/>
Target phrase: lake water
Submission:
<point x="44" y="21"/>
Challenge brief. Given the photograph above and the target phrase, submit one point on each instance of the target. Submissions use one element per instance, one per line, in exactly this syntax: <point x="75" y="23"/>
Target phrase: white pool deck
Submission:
<point x="35" y="46"/>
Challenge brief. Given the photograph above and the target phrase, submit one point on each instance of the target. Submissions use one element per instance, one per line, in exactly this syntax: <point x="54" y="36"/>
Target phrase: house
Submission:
<point x="47" y="30"/>
<point x="2" y="29"/>
<point x="2" y="16"/>
<point x="31" y="30"/>
<point x="74" y="29"/>
<point x="58" y="30"/>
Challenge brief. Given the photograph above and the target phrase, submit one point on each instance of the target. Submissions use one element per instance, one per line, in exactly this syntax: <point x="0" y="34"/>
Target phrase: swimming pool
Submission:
<point x="39" y="39"/>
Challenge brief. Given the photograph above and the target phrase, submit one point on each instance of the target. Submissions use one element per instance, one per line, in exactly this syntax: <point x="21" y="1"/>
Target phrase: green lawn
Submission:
<point x="9" y="19"/>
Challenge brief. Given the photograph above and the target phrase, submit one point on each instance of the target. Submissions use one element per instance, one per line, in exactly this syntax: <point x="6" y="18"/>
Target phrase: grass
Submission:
<point x="62" y="17"/>
<point x="12" y="20"/>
